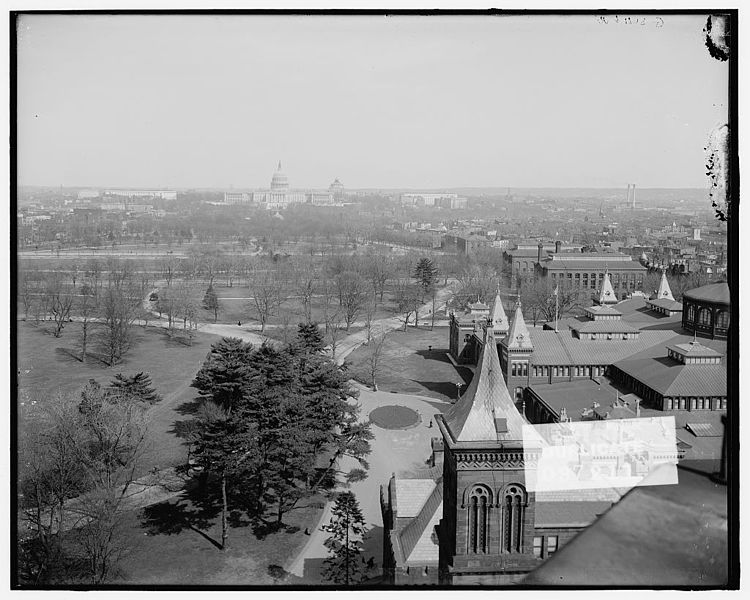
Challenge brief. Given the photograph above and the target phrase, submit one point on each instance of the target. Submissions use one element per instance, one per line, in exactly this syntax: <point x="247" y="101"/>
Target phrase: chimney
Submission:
<point x="540" y="249"/>
<point x="637" y="407"/>
<point x="558" y="246"/>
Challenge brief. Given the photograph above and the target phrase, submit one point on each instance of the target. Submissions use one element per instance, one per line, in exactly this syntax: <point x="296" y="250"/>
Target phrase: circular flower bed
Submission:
<point x="394" y="417"/>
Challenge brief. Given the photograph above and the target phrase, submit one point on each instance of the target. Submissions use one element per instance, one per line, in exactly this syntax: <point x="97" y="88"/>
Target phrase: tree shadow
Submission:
<point x="195" y="511"/>
<point x="443" y="388"/>
<point x="190" y="407"/>
<point x="436" y="354"/>
<point x="67" y="355"/>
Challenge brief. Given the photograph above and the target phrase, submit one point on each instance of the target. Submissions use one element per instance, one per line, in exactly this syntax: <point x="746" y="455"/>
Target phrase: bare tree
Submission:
<point x="26" y="292"/>
<point x="169" y="266"/>
<point x="406" y="298"/>
<point x="304" y="280"/>
<point x="88" y="308"/>
<point x="333" y="323"/>
<point x="266" y="293"/>
<point x="352" y="292"/>
<point x="60" y="302"/>
<point x="374" y="354"/>
<point x="369" y="312"/>
<point x="118" y="309"/>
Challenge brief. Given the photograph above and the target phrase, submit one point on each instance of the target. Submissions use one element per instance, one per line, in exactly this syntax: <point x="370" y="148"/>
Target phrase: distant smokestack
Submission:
<point x="558" y="246"/>
<point x="540" y="249"/>
<point x="633" y="197"/>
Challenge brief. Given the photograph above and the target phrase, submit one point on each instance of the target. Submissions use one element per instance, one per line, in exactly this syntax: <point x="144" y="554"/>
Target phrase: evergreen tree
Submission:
<point x="225" y="448"/>
<point x="309" y="337"/>
<point x="211" y="301"/>
<point x="137" y="387"/>
<point x="225" y="373"/>
<point x="426" y="273"/>
<point x="347" y="528"/>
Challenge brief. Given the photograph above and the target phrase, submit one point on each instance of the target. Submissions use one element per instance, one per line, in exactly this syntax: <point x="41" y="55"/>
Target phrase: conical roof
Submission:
<point x="664" y="290"/>
<point x="497" y="314"/>
<point x="607" y="295"/>
<point x="473" y="417"/>
<point x="518" y="335"/>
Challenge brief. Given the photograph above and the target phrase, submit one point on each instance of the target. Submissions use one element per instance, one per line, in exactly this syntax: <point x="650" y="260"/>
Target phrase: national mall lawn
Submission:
<point x="160" y="547"/>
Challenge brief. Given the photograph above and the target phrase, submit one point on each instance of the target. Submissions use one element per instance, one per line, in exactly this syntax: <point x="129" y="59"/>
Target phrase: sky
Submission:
<point x="183" y="101"/>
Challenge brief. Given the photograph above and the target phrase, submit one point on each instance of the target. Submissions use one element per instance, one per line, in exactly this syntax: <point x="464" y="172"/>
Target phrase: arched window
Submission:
<point x="479" y="506"/>
<point x="514" y="500"/>
<point x="691" y="313"/>
<point x="722" y="319"/>
<point x="704" y="317"/>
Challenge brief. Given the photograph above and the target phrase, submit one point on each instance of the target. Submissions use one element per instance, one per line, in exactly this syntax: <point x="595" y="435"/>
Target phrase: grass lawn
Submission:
<point x="408" y="366"/>
<point x="48" y="365"/>
<point x="162" y="548"/>
<point x="235" y="305"/>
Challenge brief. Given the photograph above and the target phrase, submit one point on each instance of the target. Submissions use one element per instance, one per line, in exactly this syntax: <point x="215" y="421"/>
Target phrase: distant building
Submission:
<point x="162" y="194"/>
<point x="586" y="270"/>
<point x="423" y="199"/>
<point x="280" y="195"/>
<point x="336" y="189"/>
<point x="236" y="197"/>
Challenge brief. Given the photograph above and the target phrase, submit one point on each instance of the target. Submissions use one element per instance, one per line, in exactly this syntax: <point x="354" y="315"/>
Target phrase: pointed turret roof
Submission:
<point x="485" y="412"/>
<point x="518" y="335"/>
<point x="664" y="291"/>
<point x="607" y="295"/>
<point x="497" y="314"/>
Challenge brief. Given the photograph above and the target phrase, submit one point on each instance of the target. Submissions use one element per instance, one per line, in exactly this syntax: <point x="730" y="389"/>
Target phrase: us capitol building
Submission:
<point x="280" y="195"/>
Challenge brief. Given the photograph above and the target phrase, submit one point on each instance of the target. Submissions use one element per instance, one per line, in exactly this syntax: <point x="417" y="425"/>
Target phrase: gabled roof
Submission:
<point x="518" y="337"/>
<point x="694" y="349"/>
<point x="601" y="310"/>
<point x="666" y="304"/>
<point x="498" y="316"/>
<point x="607" y="295"/>
<point x="472" y="417"/>
<point x="410" y="495"/>
<point x="418" y="540"/>
<point x="672" y="378"/>
<point x="664" y="291"/>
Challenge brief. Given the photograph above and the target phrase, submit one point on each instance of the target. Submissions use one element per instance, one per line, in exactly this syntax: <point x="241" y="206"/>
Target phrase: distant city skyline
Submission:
<point x="377" y="102"/>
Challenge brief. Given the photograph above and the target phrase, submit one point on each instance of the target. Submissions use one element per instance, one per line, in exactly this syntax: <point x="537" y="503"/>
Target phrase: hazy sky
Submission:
<point x="216" y="101"/>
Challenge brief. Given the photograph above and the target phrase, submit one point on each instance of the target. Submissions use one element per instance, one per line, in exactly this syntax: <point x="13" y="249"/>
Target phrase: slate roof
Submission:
<point x="664" y="292"/>
<point x="410" y="495"/>
<point x="666" y="304"/>
<point x="717" y="293"/>
<point x="518" y="337"/>
<point x="418" y="540"/>
<point x="568" y="514"/>
<point x="602" y="310"/>
<point x="561" y="348"/>
<point x="498" y="316"/>
<point x="472" y="417"/>
<point x="672" y="378"/>
<point x="604" y="326"/>
<point x="694" y="349"/>
<point x="607" y="295"/>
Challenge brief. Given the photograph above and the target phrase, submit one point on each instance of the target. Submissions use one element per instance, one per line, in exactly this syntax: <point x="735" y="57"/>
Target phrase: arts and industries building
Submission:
<point x="471" y="518"/>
